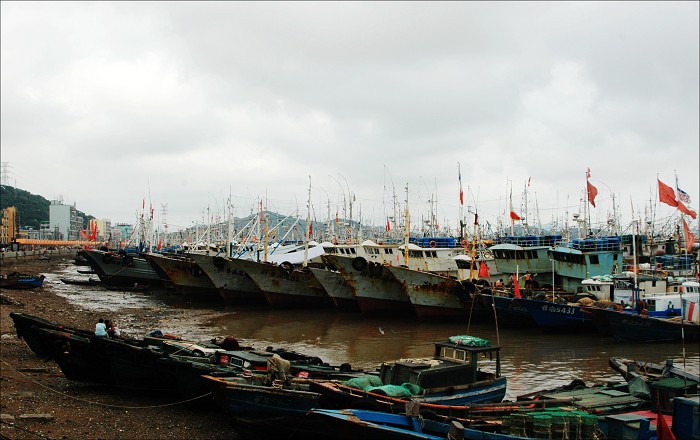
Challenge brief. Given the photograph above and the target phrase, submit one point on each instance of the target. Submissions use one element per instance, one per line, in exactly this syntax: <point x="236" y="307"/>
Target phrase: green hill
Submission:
<point x="32" y="209"/>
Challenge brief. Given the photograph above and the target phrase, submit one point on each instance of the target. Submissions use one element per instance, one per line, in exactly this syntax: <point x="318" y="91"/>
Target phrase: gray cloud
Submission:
<point x="105" y="102"/>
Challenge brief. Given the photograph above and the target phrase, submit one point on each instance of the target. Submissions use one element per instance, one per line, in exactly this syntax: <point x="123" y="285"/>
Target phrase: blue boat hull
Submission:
<point x="553" y="316"/>
<point x="510" y="312"/>
<point x="637" y="328"/>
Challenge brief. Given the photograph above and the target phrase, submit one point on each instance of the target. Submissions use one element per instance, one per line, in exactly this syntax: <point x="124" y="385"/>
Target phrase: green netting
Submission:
<point x="412" y="388"/>
<point x="390" y="390"/>
<point x="364" y="382"/>
<point x="638" y="388"/>
<point x="470" y="341"/>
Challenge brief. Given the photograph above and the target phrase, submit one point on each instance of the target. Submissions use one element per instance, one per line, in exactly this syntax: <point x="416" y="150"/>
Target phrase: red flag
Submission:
<point x="666" y="194"/>
<point x="516" y="286"/>
<point x="663" y="432"/>
<point x="483" y="270"/>
<point x="311" y="229"/>
<point x="160" y="244"/>
<point x="388" y="225"/>
<point x="461" y="193"/>
<point x="514" y="216"/>
<point x="685" y="210"/>
<point x="592" y="193"/>
<point x="689" y="237"/>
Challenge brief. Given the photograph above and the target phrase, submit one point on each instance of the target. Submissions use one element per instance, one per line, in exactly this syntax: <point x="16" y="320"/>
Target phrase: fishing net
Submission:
<point x="469" y="341"/>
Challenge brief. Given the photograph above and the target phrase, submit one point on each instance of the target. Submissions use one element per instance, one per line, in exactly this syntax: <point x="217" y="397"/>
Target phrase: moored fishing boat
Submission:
<point x="518" y="254"/>
<point x="81" y="282"/>
<point x="436" y="296"/>
<point x="633" y="327"/>
<point x="122" y="269"/>
<point x="585" y="258"/>
<point x="508" y="311"/>
<point x="234" y="284"/>
<point x="285" y="286"/>
<point x="184" y="276"/>
<point x="20" y="281"/>
<point x="374" y="288"/>
<point x="454" y="375"/>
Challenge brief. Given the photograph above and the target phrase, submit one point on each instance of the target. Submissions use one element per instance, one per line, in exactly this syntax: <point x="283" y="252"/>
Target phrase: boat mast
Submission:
<point x="461" y="203"/>
<point x="634" y="260"/>
<point x="308" y="225"/>
<point x="407" y="229"/>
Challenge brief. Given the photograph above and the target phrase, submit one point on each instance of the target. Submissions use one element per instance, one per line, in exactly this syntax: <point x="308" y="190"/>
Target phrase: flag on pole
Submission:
<point x="388" y="225"/>
<point x="685" y="210"/>
<point x="682" y="195"/>
<point x="689" y="237"/>
<point x="666" y="194"/>
<point x="461" y="193"/>
<point x="514" y="216"/>
<point x="311" y="229"/>
<point x="516" y="286"/>
<point x="691" y="311"/>
<point x="592" y="193"/>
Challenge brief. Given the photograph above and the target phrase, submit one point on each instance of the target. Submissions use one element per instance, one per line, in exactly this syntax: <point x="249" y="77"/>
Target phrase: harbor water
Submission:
<point x="530" y="358"/>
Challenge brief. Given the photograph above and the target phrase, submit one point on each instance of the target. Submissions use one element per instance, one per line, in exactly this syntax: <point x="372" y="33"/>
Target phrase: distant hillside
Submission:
<point x="31" y="209"/>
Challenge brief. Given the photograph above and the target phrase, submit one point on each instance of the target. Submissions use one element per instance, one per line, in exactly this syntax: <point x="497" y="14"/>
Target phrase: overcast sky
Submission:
<point x="105" y="104"/>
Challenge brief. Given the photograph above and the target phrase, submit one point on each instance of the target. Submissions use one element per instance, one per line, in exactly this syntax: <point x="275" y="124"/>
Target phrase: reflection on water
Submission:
<point x="531" y="359"/>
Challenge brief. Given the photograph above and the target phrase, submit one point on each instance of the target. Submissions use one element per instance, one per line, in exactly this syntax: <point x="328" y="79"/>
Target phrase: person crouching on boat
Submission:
<point x="101" y="329"/>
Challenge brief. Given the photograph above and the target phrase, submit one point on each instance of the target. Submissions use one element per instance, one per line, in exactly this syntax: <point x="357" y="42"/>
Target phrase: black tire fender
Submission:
<point x="359" y="264"/>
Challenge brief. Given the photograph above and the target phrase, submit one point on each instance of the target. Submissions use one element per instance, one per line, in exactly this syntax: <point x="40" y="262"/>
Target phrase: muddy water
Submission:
<point x="531" y="359"/>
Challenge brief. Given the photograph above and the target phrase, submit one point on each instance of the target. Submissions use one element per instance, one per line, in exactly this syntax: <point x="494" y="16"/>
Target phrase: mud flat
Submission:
<point x="38" y="402"/>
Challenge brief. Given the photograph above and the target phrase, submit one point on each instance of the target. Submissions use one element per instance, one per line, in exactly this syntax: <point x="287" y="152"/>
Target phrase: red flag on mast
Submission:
<point x="592" y="193"/>
<point x="666" y="194"/>
<point x="461" y="193"/>
<point x="514" y="216"/>
<point x="689" y="237"/>
<point x="685" y="210"/>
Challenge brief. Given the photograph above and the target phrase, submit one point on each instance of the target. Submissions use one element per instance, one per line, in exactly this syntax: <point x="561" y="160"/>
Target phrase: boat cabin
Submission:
<point x="455" y="362"/>
<point x="244" y="359"/>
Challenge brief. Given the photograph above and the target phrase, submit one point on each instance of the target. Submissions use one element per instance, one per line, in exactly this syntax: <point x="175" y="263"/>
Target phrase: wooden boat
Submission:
<point x="136" y="287"/>
<point x="630" y="368"/>
<point x="599" y="399"/>
<point x="26" y="325"/>
<point x="259" y="397"/>
<point x="155" y="362"/>
<point x="81" y="282"/>
<point x="451" y="377"/>
<point x="366" y="424"/>
<point x="87" y="271"/>
<point x="659" y="383"/>
<point x="20" y="281"/>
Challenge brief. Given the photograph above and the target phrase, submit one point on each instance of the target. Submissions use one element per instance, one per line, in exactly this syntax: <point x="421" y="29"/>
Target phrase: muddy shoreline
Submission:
<point x="38" y="402"/>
